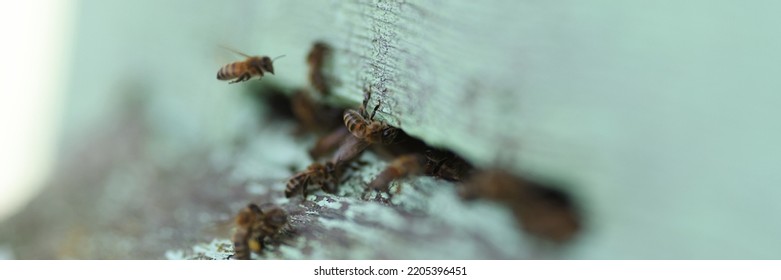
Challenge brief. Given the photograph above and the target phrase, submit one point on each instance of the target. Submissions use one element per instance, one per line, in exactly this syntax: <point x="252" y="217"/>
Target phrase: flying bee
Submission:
<point x="245" y="70"/>
<point x="402" y="166"/>
<point x="253" y="226"/>
<point x="317" y="173"/>
<point x="367" y="129"/>
<point x="316" y="61"/>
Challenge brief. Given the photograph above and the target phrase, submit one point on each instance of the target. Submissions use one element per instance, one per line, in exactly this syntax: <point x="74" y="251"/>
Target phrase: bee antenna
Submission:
<point x="375" y="111"/>
<point x="278" y="57"/>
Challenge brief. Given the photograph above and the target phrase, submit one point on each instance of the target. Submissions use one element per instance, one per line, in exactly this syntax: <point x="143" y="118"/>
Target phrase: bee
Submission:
<point x="362" y="133"/>
<point x="316" y="61"/>
<point x="311" y="116"/>
<point x="253" y="226"/>
<point x="402" y="166"/>
<point x="367" y="129"/>
<point x="245" y="70"/>
<point x="549" y="213"/>
<point x="328" y="175"/>
<point x="496" y="185"/>
<point x="317" y="173"/>
<point x="540" y="210"/>
<point x="446" y="165"/>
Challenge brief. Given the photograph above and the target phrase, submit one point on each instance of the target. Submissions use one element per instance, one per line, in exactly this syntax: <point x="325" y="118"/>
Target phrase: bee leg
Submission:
<point x="378" y="197"/>
<point x="329" y="187"/>
<point x="304" y="187"/>
<point x="398" y="189"/>
<point x="246" y="76"/>
<point x="241" y="78"/>
<point x="338" y="173"/>
<point x="367" y="94"/>
<point x="326" y="187"/>
<point x="260" y="74"/>
<point x="367" y="191"/>
<point x="371" y="118"/>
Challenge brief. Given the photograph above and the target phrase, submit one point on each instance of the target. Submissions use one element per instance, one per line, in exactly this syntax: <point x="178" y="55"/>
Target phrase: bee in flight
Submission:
<point x="244" y="70"/>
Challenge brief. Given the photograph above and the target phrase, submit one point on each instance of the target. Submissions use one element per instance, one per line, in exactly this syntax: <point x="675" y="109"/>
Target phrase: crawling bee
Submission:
<point x="540" y="210"/>
<point x="316" y="61"/>
<point x="367" y="129"/>
<point x="362" y="133"/>
<point x="245" y="70"/>
<point x="317" y="173"/>
<point x="446" y="165"/>
<point x="327" y="175"/>
<point x="405" y="165"/>
<point x="253" y="226"/>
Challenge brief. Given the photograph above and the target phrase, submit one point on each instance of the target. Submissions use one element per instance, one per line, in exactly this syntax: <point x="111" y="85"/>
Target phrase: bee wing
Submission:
<point x="234" y="51"/>
<point x="350" y="149"/>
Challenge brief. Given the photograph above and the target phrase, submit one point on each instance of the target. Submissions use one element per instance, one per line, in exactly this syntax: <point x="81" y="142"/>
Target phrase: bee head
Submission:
<point x="266" y="65"/>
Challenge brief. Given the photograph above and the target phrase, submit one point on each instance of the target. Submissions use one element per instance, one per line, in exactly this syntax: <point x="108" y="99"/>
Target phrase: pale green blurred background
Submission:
<point x="661" y="115"/>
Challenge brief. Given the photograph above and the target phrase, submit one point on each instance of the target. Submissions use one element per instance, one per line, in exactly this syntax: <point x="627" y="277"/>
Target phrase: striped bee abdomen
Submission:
<point x="230" y="71"/>
<point x="240" y="246"/>
<point x="295" y="183"/>
<point x="355" y="123"/>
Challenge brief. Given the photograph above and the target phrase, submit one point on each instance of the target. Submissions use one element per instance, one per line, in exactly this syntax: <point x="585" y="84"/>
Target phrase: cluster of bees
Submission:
<point x="540" y="210"/>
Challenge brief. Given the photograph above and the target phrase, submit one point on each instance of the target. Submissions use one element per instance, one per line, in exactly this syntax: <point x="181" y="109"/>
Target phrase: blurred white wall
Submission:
<point x="35" y="50"/>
